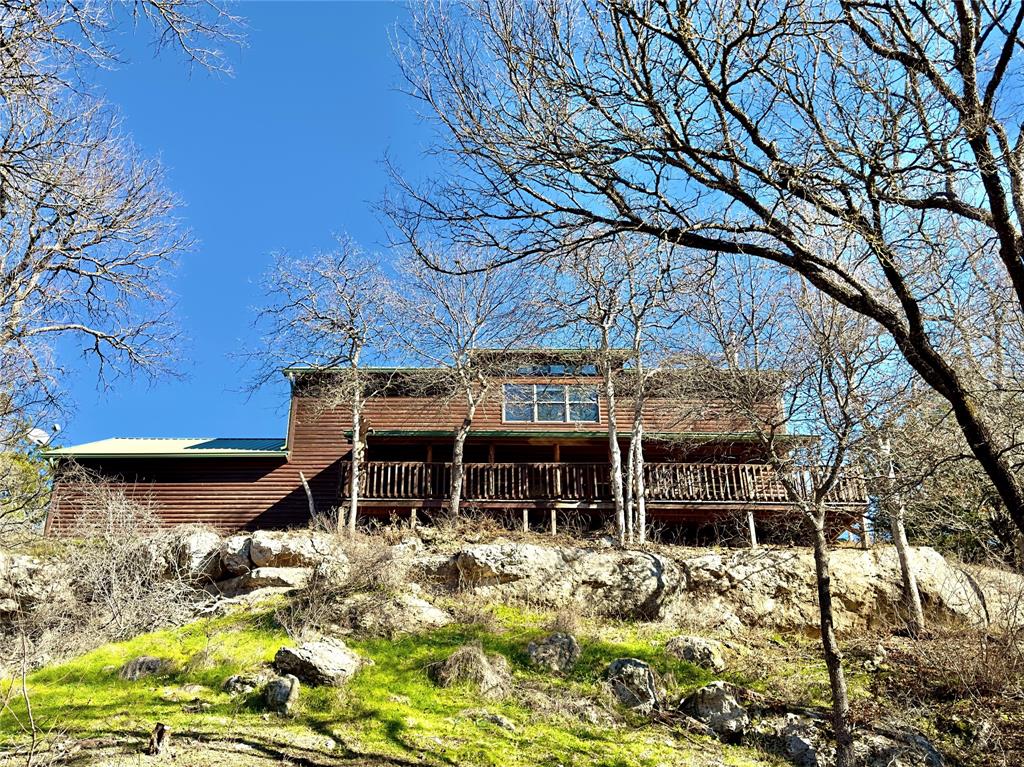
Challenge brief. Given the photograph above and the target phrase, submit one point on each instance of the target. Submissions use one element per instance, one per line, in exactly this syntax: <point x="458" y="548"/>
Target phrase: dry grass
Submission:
<point x="489" y="675"/>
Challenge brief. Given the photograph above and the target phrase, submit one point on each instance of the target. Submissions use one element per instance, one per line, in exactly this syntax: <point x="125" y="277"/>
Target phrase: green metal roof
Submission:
<point x="201" y="447"/>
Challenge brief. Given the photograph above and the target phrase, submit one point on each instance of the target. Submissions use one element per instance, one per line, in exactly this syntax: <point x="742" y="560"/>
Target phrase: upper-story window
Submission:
<point x="557" y="369"/>
<point x="551" y="403"/>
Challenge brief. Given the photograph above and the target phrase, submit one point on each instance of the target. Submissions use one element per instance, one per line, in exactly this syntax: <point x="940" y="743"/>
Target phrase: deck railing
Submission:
<point x="587" y="482"/>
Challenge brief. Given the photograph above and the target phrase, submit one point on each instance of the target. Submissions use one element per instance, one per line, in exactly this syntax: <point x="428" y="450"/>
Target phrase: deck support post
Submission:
<point x="412" y="518"/>
<point x="526" y="520"/>
<point x="865" y="534"/>
<point x="554" y="522"/>
<point x="752" y="529"/>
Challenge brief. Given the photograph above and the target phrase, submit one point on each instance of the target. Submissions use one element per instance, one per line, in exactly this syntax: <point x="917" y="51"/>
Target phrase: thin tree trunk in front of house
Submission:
<point x="357" y="456"/>
<point x="830" y="646"/>
<point x="615" y="454"/>
<point x="458" y="451"/>
<point x="628" y="500"/>
<point x="309" y="496"/>
<point x="640" y="486"/>
<point x="915" y="620"/>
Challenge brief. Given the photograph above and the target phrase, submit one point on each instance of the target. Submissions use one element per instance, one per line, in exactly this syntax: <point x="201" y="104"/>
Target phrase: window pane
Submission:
<point x="583" y="412"/>
<point x="517" y="412"/>
<point x="551" y="411"/>
<point x="518" y="393"/>
<point x="551" y="393"/>
<point x="586" y="394"/>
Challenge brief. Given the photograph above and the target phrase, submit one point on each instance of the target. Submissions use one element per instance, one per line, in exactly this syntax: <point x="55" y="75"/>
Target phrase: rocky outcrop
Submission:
<point x="723" y="590"/>
<point x="390" y="615"/>
<point x="706" y="653"/>
<point x="558" y="652"/>
<point x="633" y="684"/>
<point x="279" y="578"/>
<point x="623" y="584"/>
<point x="328" y="662"/>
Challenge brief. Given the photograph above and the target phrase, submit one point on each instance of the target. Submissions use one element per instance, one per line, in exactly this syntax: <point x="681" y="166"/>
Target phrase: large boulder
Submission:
<point x="234" y="555"/>
<point x="390" y="615"/>
<point x="633" y="684"/>
<point x="706" y="653"/>
<point x="558" y="652"/>
<point x="626" y="584"/>
<point x="716" y="706"/>
<point x="489" y="675"/>
<point x="281" y="693"/>
<point x="327" y="662"/>
<point x="776" y="588"/>
<point x="269" y="548"/>
<point x="197" y="554"/>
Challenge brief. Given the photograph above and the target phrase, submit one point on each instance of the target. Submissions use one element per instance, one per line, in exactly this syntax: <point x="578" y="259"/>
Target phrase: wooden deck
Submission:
<point x="586" y="485"/>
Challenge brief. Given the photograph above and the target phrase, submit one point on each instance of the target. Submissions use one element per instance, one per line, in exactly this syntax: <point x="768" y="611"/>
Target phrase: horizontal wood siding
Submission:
<point x="227" y="493"/>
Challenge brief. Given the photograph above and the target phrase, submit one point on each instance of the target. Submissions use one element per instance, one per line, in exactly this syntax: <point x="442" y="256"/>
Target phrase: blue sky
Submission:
<point x="278" y="157"/>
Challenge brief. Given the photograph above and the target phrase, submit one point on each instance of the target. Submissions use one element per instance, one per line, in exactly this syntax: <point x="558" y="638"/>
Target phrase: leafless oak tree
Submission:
<point x="460" y="325"/>
<point x="873" y="148"/>
<point x="328" y="313"/>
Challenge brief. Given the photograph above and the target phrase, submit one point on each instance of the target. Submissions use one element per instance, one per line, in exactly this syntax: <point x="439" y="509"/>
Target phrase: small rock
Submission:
<point x="559" y="652"/>
<point x="634" y="684"/>
<point x="487" y="716"/>
<point x="706" y="653"/>
<point x="143" y="666"/>
<point x="281" y="693"/>
<point x="242" y="684"/>
<point x="716" y="705"/>
<point x="328" y="662"/>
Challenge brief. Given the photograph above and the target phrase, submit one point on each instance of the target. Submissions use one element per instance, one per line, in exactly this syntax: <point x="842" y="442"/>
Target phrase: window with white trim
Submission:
<point x="551" y="403"/>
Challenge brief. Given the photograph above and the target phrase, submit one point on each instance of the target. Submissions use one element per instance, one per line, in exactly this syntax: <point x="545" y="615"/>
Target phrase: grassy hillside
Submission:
<point x="390" y="713"/>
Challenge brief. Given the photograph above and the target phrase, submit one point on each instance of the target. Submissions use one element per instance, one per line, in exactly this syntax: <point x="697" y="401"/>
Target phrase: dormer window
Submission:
<point x="557" y="369"/>
<point x="551" y="403"/>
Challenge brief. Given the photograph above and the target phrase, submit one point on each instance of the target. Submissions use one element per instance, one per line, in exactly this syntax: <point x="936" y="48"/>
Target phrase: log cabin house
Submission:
<point x="538" y="448"/>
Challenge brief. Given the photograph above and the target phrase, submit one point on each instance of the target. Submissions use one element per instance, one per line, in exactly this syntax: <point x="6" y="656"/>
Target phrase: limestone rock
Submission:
<point x="327" y="662"/>
<point x="558" y="652"/>
<point x="488" y="674"/>
<point x="197" y="554"/>
<point x="391" y="615"/>
<point x="633" y="684"/>
<point x="706" y="653"/>
<point x="265" y="578"/>
<point x="143" y="666"/>
<point x="716" y="705"/>
<point x="281" y="693"/>
<point x="234" y="555"/>
<point x="290" y="549"/>
<point x="243" y="684"/>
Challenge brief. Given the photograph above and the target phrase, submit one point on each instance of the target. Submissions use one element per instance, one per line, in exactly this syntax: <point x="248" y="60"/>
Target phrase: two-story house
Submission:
<point x="538" y="446"/>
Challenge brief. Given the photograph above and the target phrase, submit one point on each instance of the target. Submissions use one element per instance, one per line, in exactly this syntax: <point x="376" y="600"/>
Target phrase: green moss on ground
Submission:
<point x="390" y="712"/>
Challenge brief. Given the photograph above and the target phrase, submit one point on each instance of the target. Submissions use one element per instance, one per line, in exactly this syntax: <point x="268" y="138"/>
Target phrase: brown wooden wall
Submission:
<point x="229" y="493"/>
<point x="233" y="493"/>
<point x="660" y="414"/>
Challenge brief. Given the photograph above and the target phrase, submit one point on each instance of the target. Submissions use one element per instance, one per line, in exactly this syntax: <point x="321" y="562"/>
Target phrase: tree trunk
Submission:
<point x="357" y="458"/>
<point x="458" y="451"/>
<point x="915" y="621"/>
<point x="615" y="454"/>
<point x="640" y="486"/>
<point x="830" y="646"/>
<point x="628" y="499"/>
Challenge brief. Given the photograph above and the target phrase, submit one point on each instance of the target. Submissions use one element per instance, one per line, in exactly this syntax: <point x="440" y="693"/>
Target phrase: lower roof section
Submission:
<point x="191" y="447"/>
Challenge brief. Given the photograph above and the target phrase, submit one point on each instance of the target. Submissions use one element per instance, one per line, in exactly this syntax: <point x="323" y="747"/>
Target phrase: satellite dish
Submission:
<point x="39" y="436"/>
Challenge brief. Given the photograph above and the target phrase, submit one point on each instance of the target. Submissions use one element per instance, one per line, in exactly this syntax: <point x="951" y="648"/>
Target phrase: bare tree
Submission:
<point x="831" y="370"/>
<point x="327" y="313"/>
<point x="872" y="148"/>
<point x="461" y="325"/>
